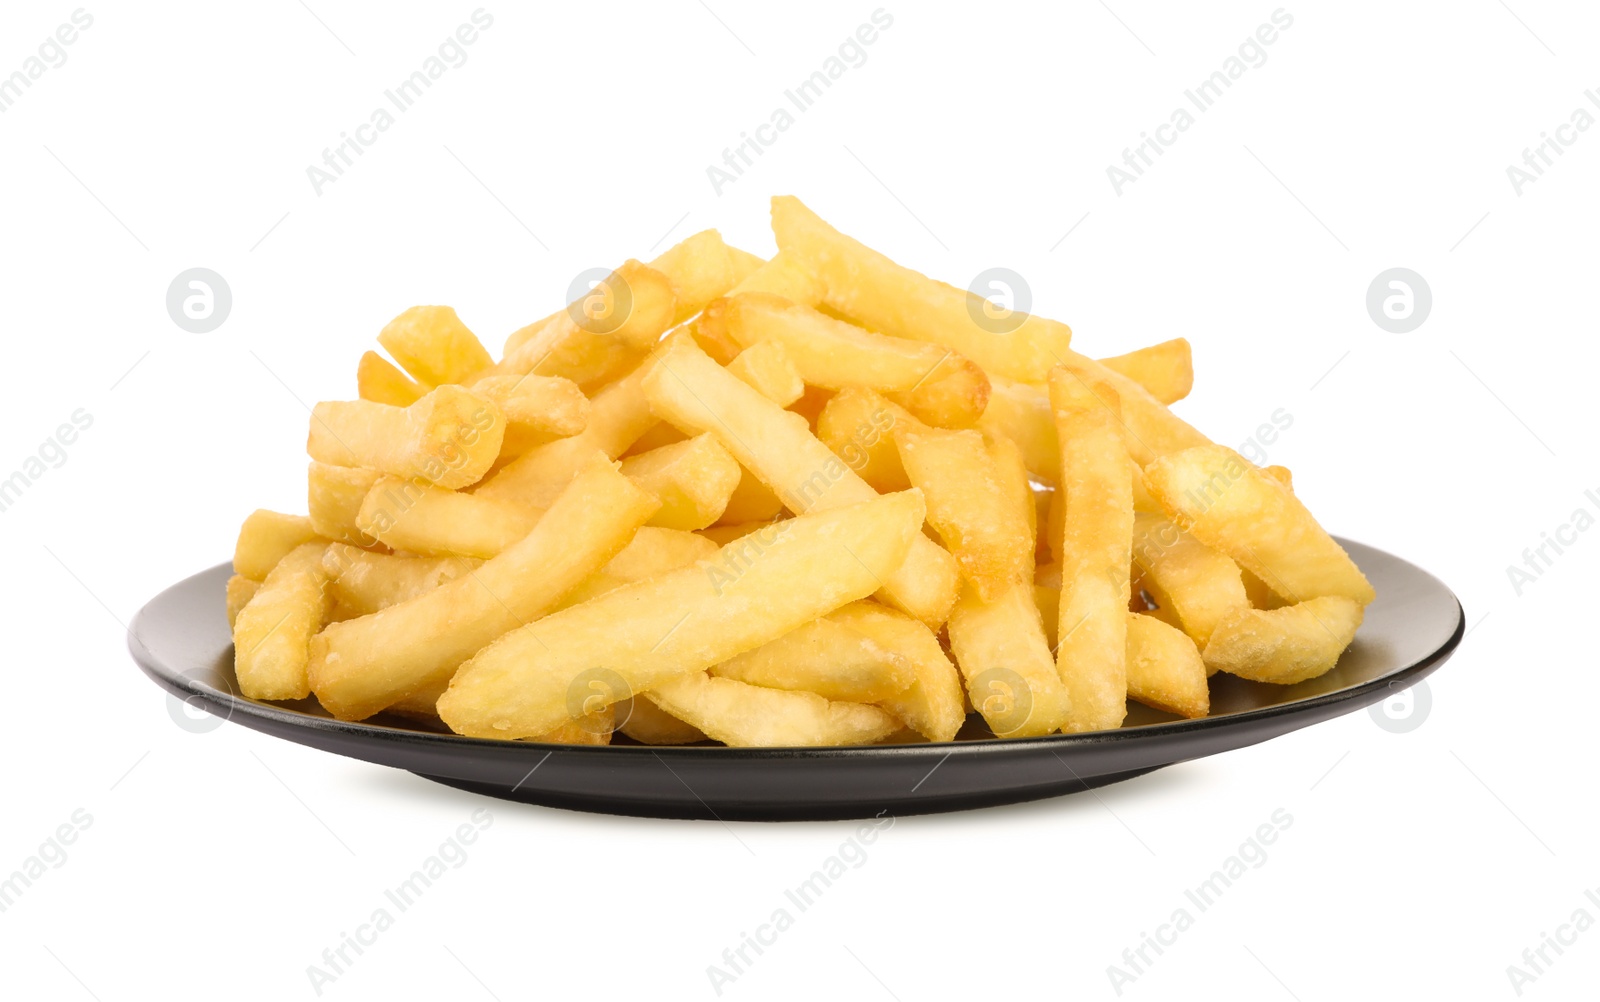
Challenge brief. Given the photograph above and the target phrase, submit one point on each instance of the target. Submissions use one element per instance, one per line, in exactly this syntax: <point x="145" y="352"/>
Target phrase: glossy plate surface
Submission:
<point x="181" y="640"/>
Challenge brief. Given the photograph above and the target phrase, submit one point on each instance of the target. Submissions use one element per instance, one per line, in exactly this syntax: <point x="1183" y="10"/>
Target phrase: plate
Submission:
<point x="182" y="641"/>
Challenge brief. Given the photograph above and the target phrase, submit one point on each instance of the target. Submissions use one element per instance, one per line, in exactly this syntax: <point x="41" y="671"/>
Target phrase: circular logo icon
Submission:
<point x="1003" y="697"/>
<point x="599" y="300"/>
<point x="199" y="300"/>
<point x="593" y="690"/>
<point x="193" y="713"/>
<point x="1403" y="710"/>
<point x="1399" y="300"/>
<point x="1000" y="300"/>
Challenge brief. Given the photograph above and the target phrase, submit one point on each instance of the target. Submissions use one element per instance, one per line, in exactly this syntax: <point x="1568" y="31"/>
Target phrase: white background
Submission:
<point x="1375" y="135"/>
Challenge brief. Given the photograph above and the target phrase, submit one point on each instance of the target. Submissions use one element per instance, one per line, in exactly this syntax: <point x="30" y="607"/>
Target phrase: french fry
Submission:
<point x="689" y="389"/>
<point x="743" y="716"/>
<point x="1225" y="502"/>
<point x="1287" y="645"/>
<point x="724" y="534"/>
<point x="1193" y="586"/>
<point x="934" y="705"/>
<point x="1164" y="668"/>
<point x="766" y="367"/>
<point x="265" y="538"/>
<point x="1261" y="597"/>
<point x="1004" y="656"/>
<point x="880" y="295"/>
<point x="361" y="582"/>
<point x="692" y="479"/>
<point x="652" y="551"/>
<point x="1021" y="412"/>
<point x="333" y="497"/>
<point x="363" y="665"/>
<point x="1166" y="370"/>
<point x="752" y="501"/>
<point x="432" y="344"/>
<point x="858" y="424"/>
<point x="240" y="591"/>
<point x="682" y="622"/>
<point x="1282" y="475"/>
<point x="378" y="380"/>
<point x="544" y="405"/>
<point x="412" y="516"/>
<point x="647" y="723"/>
<point x="449" y="438"/>
<point x="780" y="277"/>
<point x="1091" y="654"/>
<point x="939" y="386"/>
<point x="272" y="632"/>
<point x="601" y="335"/>
<point x="590" y="729"/>
<point x="701" y="268"/>
<point x="1148" y="428"/>
<point x="970" y="505"/>
<point x="826" y="658"/>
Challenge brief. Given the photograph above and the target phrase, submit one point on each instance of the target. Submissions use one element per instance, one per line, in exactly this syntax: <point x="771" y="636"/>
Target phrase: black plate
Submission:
<point x="181" y="640"/>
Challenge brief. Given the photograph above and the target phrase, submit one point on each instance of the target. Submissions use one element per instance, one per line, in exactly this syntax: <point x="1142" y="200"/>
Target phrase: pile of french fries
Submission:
<point x="820" y="499"/>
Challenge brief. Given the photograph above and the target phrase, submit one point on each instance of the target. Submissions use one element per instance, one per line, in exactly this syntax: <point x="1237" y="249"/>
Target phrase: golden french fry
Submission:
<point x="1004" y="656"/>
<point x="692" y="479"/>
<point x="1097" y="533"/>
<point x="333" y="497"/>
<point x="432" y="344"/>
<point x="1261" y="597"/>
<point x="1148" y="428"/>
<point x="1021" y="412"/>
<point x="602" y="334"/>
<point x="766" y="367"/>
<point x="780" y="277"/>
<point x="826" y="658"/>
<point x="240" y="591"/>
<point x="857" y="424"/>
<point x="690" y="390"/>
<point x="361" y="666"/>
<point x="544" y="405"/>
<point x="647" y="633"/>
<point x="934" y="706"/>
<point x="449" y="438"/>
<point x="1166" y="370"/>
<point x="1193" y="586"/>
<point x="1225" y="502"/>
<point x="1286" y="645"/>
<point x="970" y="505"/>
<point x="880" y="295"/>
<point x="746" y="716"/>
<point x="273" y="630"/>
<point x="652" y="551"/>
<point x="1282" y="475"/>
<point x="1164" y="668"/>
<point x="361" y="582"/>
<point x="378" y="380"/>
<point x="701" y="268"/>
<point x="752" y="501"/>
<point x="265" y="538"/>
<point x="649" y="724"/>
<point x="938" y="385"/>
<point x="412" y="516"/>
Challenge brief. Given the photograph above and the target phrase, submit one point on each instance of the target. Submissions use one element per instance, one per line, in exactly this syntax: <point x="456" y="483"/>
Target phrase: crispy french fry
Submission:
<point x="378" y="380"/>
<point x="544" y="405"/>
<point x="1193" y="586"/>
<point x="1218" y="496"/>
<point x="682" y="622"/>
<point x="265" y="538"/>
<point x="970" y="505"/>
<point x="432" y="344"/>
<point x="412" y="516"/>
<point x="1004" y="657"/>
<point x="939" y="386"/>
<point x="872" y="290"/>
<point x="1282" y="475"/>
<point x="649" y="724"/>
<point x="1091" y="655"/>
<point x="602" y="334"/>
<point x="752" y="501"/>
<point x="652" y="551"/>
<point x="934" y="705"/>
<point x="240" y="591"/>
<point x="1166" y="370"/>
<point x="692" y="479"/>
<point x="273" y="630"/>
<point x="1286" y="645"/>
<point x="858" y="424"/>
<point x="363" y="665"/>
<point x="1164" y="668"/>
<point x="361" y="582"/>
<point x="1148" y="428"/>
<point x="766" y="367"/>
<point x="689" y="389"/>
<point x="449" y="438"/>
<point x="742" y="716"/>
<point x="333" y="497"/>
<point x="780" y="277"/>
<point x="701" y="268"/>
<point x="1021" y="412"/>
<point x="826" y="658"/>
